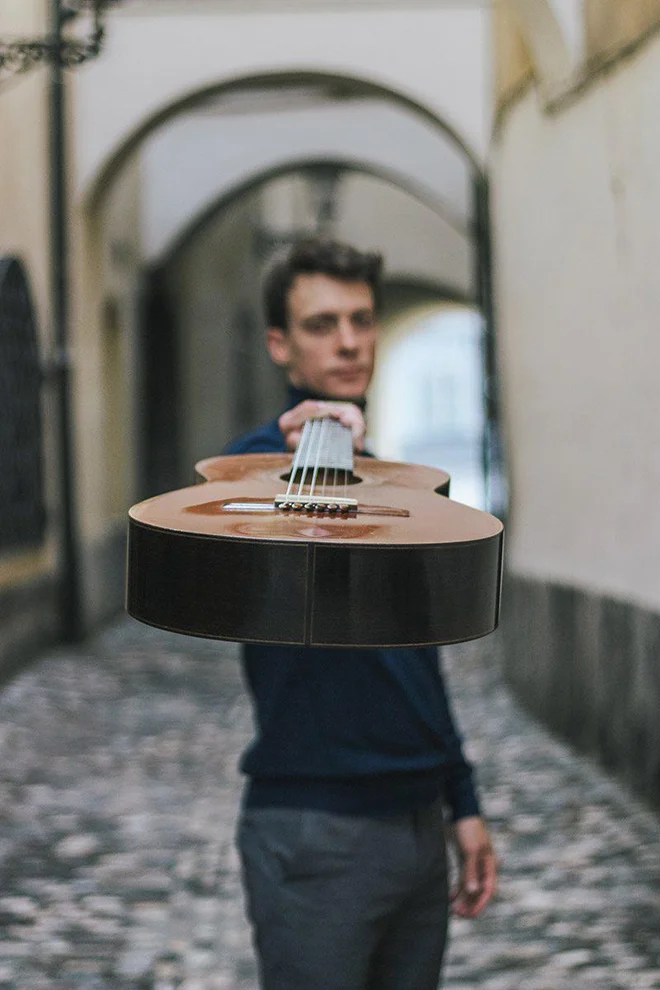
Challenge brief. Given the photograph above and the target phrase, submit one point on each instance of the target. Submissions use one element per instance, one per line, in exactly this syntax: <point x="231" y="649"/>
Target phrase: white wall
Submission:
<point x="417" y="243"/>
<point x="571" y="17"/>
<point x="438" y="57"/>
<point x="181" y="182"/>
<point x="577" y="201"/>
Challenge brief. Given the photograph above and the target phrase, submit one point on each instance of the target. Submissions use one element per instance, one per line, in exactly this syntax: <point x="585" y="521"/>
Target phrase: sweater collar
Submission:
<point x="297" y="395"/>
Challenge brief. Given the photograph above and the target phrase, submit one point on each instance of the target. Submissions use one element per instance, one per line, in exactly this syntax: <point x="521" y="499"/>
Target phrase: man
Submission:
<point x="341" y="834"/>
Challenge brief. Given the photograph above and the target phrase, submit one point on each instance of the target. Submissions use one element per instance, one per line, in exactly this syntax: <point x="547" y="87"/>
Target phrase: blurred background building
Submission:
<point x="504" y="158"/>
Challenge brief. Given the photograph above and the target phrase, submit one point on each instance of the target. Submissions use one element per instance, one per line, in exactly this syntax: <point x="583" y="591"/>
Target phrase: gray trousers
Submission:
<point x="345" y="903"/>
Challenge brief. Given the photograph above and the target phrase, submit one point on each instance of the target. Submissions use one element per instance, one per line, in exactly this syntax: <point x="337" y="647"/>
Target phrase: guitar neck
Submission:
<point x="324" y="444"/>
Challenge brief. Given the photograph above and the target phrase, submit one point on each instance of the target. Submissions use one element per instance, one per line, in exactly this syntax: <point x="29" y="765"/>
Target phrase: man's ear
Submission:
<point x="277" y="343"/>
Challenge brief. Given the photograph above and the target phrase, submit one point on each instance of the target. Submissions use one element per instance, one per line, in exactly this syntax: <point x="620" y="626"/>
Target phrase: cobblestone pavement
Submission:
<point x="118" y="795"/>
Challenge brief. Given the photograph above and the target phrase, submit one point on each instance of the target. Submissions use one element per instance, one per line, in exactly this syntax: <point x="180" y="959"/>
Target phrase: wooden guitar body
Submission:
<point x="410" y="567"/>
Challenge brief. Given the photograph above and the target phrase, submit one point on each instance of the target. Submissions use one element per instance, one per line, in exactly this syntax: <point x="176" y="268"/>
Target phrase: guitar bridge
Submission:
<point x="316" y="503"/>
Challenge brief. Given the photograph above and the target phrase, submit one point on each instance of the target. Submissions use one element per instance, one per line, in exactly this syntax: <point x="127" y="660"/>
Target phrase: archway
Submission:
<point x="333" y="87"/>
<point x="201" y="319"/>
<point x="342" y="90"/>
<point x="195" y="223"/>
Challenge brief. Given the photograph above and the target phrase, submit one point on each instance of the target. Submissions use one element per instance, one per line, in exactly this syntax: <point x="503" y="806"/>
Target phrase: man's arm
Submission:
<point x="266" y="439"/>
<point x="477" y="880"/>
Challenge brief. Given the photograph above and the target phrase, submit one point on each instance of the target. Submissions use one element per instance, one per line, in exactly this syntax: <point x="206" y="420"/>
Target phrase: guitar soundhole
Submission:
<point x="328" y="480"/>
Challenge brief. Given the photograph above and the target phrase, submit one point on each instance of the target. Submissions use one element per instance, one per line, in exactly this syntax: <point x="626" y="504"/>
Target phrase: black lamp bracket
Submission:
<point x="21" y="54"/>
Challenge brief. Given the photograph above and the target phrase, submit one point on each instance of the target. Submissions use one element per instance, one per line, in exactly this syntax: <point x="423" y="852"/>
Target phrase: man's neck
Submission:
<point x="299" y="394"/>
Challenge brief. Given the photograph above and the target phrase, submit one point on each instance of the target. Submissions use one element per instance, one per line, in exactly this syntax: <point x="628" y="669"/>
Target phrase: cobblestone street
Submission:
<point x="119" y="793"/>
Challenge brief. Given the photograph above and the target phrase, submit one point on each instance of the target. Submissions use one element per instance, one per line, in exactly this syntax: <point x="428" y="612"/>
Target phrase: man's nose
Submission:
<point x="347" y="336"/>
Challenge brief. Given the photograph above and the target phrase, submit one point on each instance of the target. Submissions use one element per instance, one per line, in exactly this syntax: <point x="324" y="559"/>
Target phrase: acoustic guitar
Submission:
<point x="324" y="550"/>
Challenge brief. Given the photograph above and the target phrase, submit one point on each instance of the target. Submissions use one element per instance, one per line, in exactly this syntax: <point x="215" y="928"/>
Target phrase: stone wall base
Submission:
<point x="104" y="569"/>
<point x="29" y="613"/>
<point x="589" y="667"/>
<point x="28" y="623"/>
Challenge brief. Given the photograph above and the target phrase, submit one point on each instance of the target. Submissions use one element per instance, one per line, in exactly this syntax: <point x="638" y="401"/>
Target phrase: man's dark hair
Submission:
<point x="315" y="256"/>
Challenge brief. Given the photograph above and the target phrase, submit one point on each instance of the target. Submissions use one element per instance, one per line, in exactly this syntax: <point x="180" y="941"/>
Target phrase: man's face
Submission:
<point x="329" y="346"/>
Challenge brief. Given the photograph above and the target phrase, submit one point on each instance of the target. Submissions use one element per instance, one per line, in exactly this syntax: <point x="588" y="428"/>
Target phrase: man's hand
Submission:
<point x="292" y="422"/>
<point x="477" y="881"/>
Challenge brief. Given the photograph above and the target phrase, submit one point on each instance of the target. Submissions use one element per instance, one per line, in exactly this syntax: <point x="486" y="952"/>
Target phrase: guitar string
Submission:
<point x="308" y="450"/>
<point x="297" y="458"/>
<point x="330" y="456"/>
<point x="332" y="452"/>
<point x="325" y="467"/>
<point x="322" y="440"/>
<point x="319" y="449"/>
<point x="343" y="454"/>
<point x="311" y="455"/>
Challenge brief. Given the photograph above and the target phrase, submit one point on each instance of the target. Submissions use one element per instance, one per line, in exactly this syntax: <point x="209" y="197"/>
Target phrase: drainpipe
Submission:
<point x="492" y="452"/>
<point x="68" y="564"/>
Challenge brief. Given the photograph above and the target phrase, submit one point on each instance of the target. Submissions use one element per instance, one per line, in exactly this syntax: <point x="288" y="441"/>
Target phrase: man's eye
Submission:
<point x="320" y="326"/>
<point x="364" y="321"/>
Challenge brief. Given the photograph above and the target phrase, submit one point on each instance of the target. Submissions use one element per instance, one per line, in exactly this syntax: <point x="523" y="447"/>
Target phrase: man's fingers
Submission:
<point x="478" y="867"/>
<point x="471" y="873"/>
<point x="468" y="888"/>
<point x="490" y="873"/>
<point x="293" y="439"/>
<point x="292" y="421"/>
<point x="477" y="885"/>
<point x="297" y="416"/>
<point x="348" y="414"/>
<point x="485" y="893"/>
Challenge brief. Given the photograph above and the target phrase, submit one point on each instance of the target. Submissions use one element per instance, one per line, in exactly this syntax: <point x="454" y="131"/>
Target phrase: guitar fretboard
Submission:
<point x="324" y="443"/>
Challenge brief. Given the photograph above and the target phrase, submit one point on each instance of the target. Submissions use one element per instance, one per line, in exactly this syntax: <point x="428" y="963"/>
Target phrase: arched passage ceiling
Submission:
<point x="156" y="62"/>
<point x="198" y="158"/>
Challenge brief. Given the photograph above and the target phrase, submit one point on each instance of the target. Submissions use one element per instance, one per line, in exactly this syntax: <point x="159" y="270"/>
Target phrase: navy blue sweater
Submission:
<point x="353" y="731"/>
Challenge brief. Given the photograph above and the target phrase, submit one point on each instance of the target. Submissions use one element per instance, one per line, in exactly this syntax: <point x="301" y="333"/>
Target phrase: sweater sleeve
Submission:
<point x="461" y="795"/>
<point x="460" y="787"/>
<point x="267" y="439"/>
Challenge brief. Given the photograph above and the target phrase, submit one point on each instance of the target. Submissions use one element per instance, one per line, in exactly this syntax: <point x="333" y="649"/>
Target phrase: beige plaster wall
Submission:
<point x="158" y="54"/>
<point x="23" y="18"/>
<point x="24" y="182"/>
<point x="576" y="200"/>
<point x="513" y="64"/>
<point x="612" y="24"/>
<point x="564" y="45"/>
<point x="104" y="280"/>
<point x="107" y="281"/>
<point x="24" y="224"/>
<point x="24" y="155"/>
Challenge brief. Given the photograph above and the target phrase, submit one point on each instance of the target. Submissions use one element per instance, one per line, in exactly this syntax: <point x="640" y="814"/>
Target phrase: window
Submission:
<point x="22" y="515"/>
